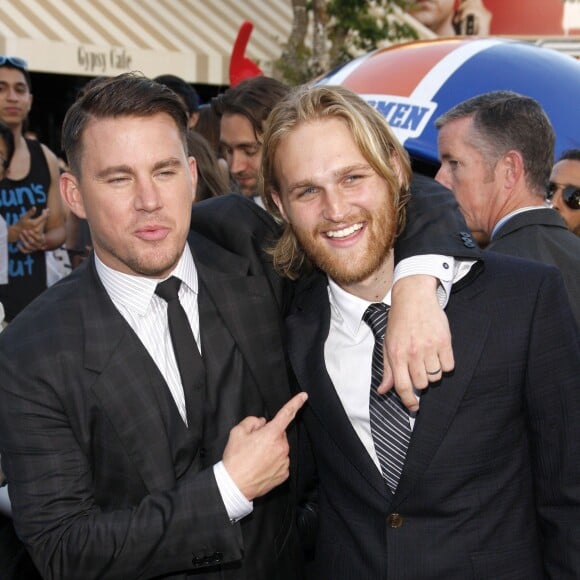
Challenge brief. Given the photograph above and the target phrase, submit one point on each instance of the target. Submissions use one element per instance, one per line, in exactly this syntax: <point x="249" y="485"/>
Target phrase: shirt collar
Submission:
<point x="349" y="308"/>
<point x="135" y="292"/>
<point x="510" y="215"/>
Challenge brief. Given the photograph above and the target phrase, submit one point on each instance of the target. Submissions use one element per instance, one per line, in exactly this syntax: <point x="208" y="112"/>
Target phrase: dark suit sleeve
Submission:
<point x="553" y="409"/>
<point x="434" y="224"/>
<point x="70" y="527"/>
<point x="243" y="228"/>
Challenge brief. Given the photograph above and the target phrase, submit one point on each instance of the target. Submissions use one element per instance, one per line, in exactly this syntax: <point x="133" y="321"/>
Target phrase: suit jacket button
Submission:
<point x="467" y="239"/>
<point x="395" y="520"/>
<point x="197" y="560"/>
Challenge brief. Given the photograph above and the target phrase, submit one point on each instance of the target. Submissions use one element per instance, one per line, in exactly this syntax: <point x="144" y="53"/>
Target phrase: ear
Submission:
<point x="278" y="201"/>
<point x="194" y="175"/>
<point x="193" y="119"/>
<point x="71" y="195"/>
<point x="512" y="168"/>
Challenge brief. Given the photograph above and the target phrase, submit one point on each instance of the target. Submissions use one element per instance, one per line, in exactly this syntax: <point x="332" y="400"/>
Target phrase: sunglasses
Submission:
<point x="14" y="61"/>
<point x="570" y="194"/>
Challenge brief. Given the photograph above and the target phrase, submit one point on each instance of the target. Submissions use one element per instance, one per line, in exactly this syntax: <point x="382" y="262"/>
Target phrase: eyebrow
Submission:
<point x="172" y="162"/>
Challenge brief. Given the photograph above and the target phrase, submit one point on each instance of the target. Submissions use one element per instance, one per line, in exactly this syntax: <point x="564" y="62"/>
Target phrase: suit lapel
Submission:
<point x="307" y="329"/>
<point x="250" y="312"/>
<point x="125" y="384"/>
<point x="439" y="404"/>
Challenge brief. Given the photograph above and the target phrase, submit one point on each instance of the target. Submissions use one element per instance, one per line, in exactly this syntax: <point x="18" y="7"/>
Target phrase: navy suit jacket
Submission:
<point x="491" y="484"/>
<point x="542" y="235"/>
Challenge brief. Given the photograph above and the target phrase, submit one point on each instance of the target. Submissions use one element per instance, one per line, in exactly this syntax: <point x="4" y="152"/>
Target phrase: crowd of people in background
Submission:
<point x="121" y="464"/>
<point x="224" y="137"/>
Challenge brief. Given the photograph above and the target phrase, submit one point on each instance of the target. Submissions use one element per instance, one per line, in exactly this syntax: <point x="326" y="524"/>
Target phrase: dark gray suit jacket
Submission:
<point x="490" y="487"/>
<point x="542" y="235"/>
<point x="93" y="482"/>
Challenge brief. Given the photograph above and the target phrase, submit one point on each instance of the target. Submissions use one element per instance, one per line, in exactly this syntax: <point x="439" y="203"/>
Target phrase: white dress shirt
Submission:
<point x="348" y="350"/>
<point x="135" y="298"/>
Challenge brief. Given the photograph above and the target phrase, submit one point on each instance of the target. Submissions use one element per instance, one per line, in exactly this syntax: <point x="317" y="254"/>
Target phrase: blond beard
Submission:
<point x="356" y="266"/>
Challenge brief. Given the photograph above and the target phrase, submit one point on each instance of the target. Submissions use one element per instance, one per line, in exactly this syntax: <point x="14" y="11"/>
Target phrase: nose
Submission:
<point x="238" y="162"/>
<point x="336" y="206"/>
<point x="557" y="200"/>
<point x="148" y="197"/>
<point x="13" y="95"/>
<point x="442" y="177"/>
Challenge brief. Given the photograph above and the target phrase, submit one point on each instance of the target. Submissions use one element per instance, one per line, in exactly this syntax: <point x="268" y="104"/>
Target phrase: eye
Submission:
<point x="304" y="192"/>
<point x="252" y="150"/>
<point x="166" y="173"/>
<point x="353" y="178"/>
<point x="117" y="180"/>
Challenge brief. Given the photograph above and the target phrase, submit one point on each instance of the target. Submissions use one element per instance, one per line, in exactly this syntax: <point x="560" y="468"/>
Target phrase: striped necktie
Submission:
<point x="389" y="418"/>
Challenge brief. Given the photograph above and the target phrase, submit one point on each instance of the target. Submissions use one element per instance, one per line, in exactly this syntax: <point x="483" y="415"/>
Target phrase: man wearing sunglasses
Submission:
<point x="496" y="152"/>
<point x="564" y="189"/>
<point x="29" y="196"/>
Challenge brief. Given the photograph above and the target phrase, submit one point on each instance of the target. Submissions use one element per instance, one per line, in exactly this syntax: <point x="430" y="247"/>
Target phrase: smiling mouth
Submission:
<point x="345" y="232"/>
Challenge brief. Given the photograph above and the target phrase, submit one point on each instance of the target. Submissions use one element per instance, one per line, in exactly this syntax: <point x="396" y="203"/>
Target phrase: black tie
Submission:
<point x="189" y="361"/>
<point x="389" y="418"/>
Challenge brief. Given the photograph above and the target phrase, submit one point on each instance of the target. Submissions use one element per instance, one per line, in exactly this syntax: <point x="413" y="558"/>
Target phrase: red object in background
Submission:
<point x="526" y="17"/>
<point x="241" y="67"/>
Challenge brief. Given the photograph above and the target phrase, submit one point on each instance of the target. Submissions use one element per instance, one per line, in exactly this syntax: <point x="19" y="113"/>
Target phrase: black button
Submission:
<point x="395" y="520"/>
<point x="197" y="560"/>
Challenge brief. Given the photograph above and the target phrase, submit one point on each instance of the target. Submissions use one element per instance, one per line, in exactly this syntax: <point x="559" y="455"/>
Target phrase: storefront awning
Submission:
<point x="189" y="38"/>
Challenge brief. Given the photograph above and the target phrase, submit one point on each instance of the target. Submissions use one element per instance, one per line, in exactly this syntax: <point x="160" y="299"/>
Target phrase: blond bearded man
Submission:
<point x="487" y="486"/>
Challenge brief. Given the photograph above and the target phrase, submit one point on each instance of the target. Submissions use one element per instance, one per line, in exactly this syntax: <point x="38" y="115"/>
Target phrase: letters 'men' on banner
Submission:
<point x="406" y="117"/>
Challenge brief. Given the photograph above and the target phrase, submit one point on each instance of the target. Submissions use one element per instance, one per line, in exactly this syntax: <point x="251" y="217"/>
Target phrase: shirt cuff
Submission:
<point x="436" y="265"/>
<point x="236" y="504"/>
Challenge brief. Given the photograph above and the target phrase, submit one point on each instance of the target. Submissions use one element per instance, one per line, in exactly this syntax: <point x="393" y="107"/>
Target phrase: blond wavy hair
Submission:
<point x="370" y="132"/>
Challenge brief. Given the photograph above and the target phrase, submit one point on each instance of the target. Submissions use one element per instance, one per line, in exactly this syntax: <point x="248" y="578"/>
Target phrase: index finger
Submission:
<point x="287" y="413"/>
<point x="404" y="388"/>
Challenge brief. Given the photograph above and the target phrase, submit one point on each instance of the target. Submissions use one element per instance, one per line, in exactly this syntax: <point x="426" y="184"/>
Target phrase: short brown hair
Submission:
<point x="253" y="98"/>
<point x="505" y="121"/>
<point x="126" y="95"/>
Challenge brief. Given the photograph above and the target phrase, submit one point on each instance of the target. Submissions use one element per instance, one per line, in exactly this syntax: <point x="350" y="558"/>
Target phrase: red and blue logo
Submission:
<point x="412" y="84"/>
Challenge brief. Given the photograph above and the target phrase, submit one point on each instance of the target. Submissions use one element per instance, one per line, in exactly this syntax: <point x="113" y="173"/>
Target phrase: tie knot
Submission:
<point x="169" y="289"/>
<point x="376" y="317"/>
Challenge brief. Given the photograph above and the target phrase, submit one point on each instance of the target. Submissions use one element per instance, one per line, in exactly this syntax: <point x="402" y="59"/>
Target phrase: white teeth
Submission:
<point x="344" y="232"/>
